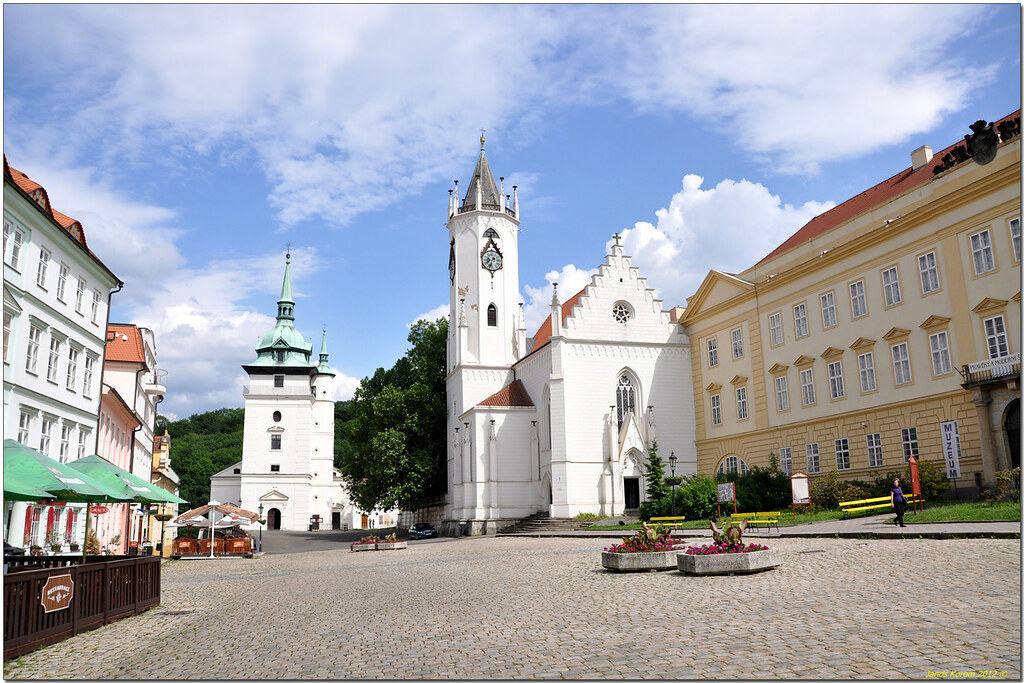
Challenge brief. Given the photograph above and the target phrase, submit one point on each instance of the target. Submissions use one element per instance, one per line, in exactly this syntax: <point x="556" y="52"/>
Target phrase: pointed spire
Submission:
<point x="483" y="191"/>
<point x="286" y="305"/>
<point x="324" y="368"/>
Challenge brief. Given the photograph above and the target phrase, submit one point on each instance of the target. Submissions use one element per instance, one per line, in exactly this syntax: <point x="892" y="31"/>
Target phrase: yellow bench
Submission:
<point x="756" y="519"/>
<point x="880" y="503"/>
<point x="668" y="521"/>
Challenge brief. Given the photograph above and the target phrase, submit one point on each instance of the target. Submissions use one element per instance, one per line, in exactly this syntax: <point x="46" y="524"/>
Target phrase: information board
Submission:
<point x="727" y="492"/>
<point x="800" y="484"/>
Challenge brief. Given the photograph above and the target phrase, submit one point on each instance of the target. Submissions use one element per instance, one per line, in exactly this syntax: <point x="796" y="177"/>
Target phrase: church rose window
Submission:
<point x="622" y="312"/>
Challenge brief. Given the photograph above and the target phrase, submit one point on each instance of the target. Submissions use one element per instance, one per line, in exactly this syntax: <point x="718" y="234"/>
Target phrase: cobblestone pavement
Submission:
<point x="480" y="608"/>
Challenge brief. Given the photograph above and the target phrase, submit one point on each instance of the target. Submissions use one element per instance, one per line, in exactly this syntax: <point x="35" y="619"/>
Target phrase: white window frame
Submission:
<point x="80" y="295"/>
<point x="928" y="267"/>
<point x="891" y="286"/>
<point x="981" y="252"/>
<point x="83" y="436"/>
<point x="995" y="337"/>
<point x="1015" y="237"/>
<point x="737" y="343"/>
<point x="72" y="377"/>
<point x="874" y="442"/>
<point x="775" y="328"/>
<point x="17" y="244"/>
<point x="828" y="310"/>
<point x="942" y="364"/>
<point x="43" y="268"/>
<point x="275" y="442"/>
<point x="24" y="427"/>
<point x="8" y="327"/>
<point x="35" y="335"/>
<point x="908" y="438"/>
<point x="87" y="375"/>
<point x="95" y="306"/>
<point x="65" y="442"/>
<point x="45" y="432"/>
<point x="800" y="320"/>
<point x="786" y="460"/>
<point x="53" y="363"/>
<point x="807" y="397"/>
<point x="62" y="281"/>
<point x="782" y="393"/>
<point x="836" y="386"/>
<point x="858" y="299"/>
<point x="842" y="447"/>
<point x="866" y="368"/>
<point x="716" y="409"/>
<point x="813" y="458"/>
<point x="741" y="403"/>
<point x="901" y="371"/>
<point x="712" y="347"/>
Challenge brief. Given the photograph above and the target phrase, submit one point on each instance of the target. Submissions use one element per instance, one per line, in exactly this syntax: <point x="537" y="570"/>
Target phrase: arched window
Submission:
<point x="490" y="233"/>
<point x="625" y="398"/>
<point x="732" y="463"/>
<point x="492" y="316"/>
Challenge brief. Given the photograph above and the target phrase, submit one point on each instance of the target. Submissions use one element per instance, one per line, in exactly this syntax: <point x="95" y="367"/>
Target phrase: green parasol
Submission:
<point x="113" y="477"/>
<point x="26" y="466"/>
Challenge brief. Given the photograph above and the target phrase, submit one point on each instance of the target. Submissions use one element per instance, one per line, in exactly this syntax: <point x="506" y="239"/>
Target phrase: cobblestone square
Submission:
<point x="489" y="607"/>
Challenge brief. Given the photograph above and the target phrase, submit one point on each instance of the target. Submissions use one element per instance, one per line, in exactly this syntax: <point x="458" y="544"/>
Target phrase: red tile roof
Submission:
<point x="21" y="179"/>
<point x="544" y="332"/>
<point x="514" y="395"/>
<point x="902" y="182"/>
<point x="128" y="350"/>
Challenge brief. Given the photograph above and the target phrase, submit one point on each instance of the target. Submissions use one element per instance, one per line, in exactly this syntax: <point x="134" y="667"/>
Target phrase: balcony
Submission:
<point x="992" y="371"/>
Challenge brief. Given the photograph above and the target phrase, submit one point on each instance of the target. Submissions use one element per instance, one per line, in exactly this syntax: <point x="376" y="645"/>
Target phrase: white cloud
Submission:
<point x="442" y="311"/>
<point x="569" y="279"/>
<point x="729" y="227"/>
<point x="344" y="386"/>
<point x="343" y="107"/>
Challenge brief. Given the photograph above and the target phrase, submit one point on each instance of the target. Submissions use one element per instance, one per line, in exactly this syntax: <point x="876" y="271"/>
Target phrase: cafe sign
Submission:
<point x="57" y="592"/>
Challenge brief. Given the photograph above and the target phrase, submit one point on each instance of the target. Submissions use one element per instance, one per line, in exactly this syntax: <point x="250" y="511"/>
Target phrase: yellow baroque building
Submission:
<point x="886" y="326"/>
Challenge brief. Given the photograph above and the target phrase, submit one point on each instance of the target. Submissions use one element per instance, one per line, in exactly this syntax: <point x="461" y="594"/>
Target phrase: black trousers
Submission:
<point x="900" y="507"/>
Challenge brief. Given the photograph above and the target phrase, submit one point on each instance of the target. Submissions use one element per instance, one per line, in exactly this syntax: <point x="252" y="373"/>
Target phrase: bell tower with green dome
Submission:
<point x="288" y="440"/>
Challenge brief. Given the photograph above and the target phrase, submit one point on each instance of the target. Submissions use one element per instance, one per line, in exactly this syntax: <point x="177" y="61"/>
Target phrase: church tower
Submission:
<point x="486" y="330"/>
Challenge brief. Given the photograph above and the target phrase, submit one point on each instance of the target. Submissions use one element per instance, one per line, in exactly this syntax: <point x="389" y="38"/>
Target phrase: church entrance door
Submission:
<point x="273" y="519"/>
<point x="336" y="521"/>
<point x="631" y="487"/>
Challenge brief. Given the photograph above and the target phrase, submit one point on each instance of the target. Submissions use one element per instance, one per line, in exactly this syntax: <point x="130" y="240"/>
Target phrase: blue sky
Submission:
<point x="194" y="141"/>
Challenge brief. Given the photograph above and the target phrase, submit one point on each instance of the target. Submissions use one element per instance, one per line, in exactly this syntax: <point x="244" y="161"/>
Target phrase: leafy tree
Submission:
<point x="395" y="453"/>
<point x="202" y="445"/>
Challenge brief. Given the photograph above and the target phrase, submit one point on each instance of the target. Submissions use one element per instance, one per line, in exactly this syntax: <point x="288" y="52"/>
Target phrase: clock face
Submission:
<point x="491" y="260"/>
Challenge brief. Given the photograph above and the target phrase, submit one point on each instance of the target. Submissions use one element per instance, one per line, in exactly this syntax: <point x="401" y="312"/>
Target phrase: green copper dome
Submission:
<point x="284" y="346"/>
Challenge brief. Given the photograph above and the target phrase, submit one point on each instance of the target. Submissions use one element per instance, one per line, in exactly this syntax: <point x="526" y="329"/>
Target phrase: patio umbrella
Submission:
<point x="137" y="488"/>
<point x="229" y="512"/>
<point x="28" y="467"/>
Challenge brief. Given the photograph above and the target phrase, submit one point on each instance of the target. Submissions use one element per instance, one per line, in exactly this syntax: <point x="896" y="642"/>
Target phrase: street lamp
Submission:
<point x="672" y="464"/>
<point x="259" y="511"/>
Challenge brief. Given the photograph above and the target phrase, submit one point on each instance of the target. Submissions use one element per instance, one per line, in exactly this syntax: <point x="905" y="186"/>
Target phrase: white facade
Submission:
<point x="549" y="429"/>
<point x="56" y="299"/>
<point x="288" y="441"/>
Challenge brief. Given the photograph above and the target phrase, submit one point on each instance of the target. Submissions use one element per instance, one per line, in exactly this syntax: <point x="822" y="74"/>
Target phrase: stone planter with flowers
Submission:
<point x="652" y="549"/>
<point x="727" y="555"/>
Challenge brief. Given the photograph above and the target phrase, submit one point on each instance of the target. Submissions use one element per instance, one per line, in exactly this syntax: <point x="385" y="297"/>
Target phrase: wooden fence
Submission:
<point x="104" y="590"/>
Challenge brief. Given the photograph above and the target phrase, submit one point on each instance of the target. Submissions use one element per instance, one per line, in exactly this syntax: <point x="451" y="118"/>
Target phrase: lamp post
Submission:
<point x="672" y="464"/>
<point x="259" y="511"/>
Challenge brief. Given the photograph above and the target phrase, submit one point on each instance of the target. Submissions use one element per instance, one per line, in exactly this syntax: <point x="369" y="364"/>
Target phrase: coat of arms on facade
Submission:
<point x="983" y="143"/>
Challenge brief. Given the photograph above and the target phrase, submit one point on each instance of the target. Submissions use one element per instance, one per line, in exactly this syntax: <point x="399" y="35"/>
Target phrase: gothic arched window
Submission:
<point x="490" y="233"/>
<point x="625" y="397"/>
<point x="492" y="316"/>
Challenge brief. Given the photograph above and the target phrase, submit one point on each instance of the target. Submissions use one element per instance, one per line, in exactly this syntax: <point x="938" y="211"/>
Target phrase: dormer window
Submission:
<point x="279" y="355"/>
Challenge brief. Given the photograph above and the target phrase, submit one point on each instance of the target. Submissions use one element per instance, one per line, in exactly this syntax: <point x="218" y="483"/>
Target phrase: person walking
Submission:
<point x="898" y="502"/>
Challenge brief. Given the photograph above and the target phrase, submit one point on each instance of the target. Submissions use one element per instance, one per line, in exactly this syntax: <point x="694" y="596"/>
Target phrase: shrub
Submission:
<point x="826" y="491"/>
<point x="1007" y="487"/>
<point x="853" y="492"/>
<point x="697" y="498"/>
<point x="661" y="507"/>
<point x="932" y="476"/>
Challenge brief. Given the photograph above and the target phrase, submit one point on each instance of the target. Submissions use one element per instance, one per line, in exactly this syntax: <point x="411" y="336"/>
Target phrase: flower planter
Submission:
<point x="729" y="563"/>
<point x="640" y="562"/>
<point x="396" y="545"/>
<point x="361" y="547"/>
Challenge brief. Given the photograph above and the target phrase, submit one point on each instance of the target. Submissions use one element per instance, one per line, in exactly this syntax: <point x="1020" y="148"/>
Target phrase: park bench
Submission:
<point x="880" y="503"/>
<point x="668" y="521"/>
<point x="756" y="519"/>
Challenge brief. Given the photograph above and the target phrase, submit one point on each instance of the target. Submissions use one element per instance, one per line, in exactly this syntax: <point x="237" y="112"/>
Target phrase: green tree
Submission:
<point x="657" y="489"/>
<point x="202" y="445"/>
<point x="395" y="453"/>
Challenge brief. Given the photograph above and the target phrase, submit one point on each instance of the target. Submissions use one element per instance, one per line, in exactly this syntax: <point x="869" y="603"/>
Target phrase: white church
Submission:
<point x="561" y="423"/>
<point x="287" y="467"/>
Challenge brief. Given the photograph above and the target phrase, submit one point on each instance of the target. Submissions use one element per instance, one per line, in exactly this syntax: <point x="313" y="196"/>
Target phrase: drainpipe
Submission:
<point x="103" y="369"/>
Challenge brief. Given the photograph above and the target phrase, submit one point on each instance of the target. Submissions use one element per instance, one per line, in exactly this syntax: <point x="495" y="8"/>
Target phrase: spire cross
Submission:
<point x="288" y="254"/>
<point x="618" y="239"/>
<point x="482" y="139"/>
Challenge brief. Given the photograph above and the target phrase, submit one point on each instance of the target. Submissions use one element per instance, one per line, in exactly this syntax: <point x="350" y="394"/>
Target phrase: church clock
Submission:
<point x="490" y="257"/>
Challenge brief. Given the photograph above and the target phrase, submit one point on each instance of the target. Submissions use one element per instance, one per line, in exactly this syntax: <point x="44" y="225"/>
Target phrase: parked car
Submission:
<point x="422" y="530"/>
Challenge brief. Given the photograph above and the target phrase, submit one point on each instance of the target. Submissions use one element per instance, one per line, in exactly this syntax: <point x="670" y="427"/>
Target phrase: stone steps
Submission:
<point x="541" y="522"/>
